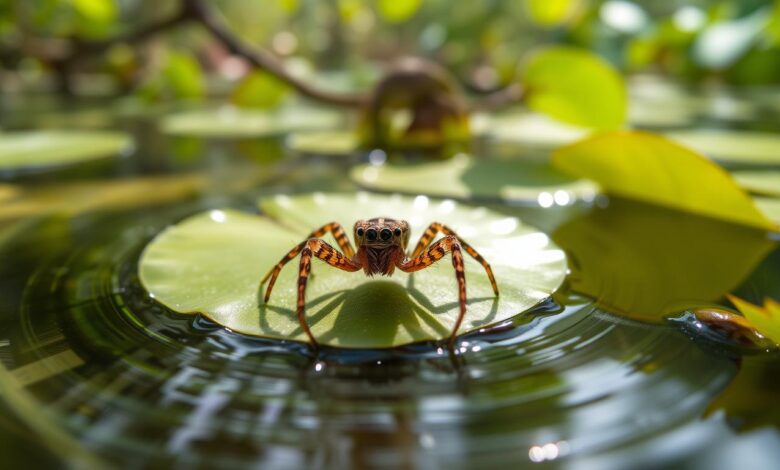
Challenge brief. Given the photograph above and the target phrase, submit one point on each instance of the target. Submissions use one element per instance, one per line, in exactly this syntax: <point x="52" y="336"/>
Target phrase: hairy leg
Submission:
<point x="437" y="227"/>
<point x="319" y="249"/>
<point x="433" y="254"/>
<point x="338" y="233"/>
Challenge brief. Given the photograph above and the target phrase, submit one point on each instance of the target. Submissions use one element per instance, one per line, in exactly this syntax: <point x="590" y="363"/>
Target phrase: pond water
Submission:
<point x="96" y="372"/>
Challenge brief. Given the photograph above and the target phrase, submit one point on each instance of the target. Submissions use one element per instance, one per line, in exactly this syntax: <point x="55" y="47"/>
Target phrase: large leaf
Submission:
<point x="650" y="168"/>
<point x="212" y="263"/>
<point x="726" y="146"/>
<point x="575" y="86"/>
<point x="465" y="177"/>
<point x="35" y="149"/>
<point x="234" y="122"/>
<point x="646" y="261"/>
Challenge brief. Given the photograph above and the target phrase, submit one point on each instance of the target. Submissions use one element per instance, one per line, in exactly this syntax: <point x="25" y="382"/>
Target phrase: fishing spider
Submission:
<point x="382" y="244"/>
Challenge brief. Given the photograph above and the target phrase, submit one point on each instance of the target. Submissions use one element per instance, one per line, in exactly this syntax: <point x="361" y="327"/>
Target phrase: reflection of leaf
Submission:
<point x="647" y="167"/>
<point x="259" y="89"/>
<point x="647" y="262"/>
<point x="398" y="11"/>
<point x="766" y="319"/>
<point x="213" y="262"/>
<point x="33" y="149"/>
<point x="575" y="86"/>
<point x="750" y="400"/>
<point x="464" y="177"/>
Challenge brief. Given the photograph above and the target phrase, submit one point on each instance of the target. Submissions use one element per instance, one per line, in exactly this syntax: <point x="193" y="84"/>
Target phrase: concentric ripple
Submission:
<point x="110" y="370"/>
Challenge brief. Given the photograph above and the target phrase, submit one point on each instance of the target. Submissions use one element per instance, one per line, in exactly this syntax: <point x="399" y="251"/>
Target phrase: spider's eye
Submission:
<point x="397" y="232"/>
<point x="371" y="234"/>
<point x="386" y="234"/>
<point x="360" y="232"/>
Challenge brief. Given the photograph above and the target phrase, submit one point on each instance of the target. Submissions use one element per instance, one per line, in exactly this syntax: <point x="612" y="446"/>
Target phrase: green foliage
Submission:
<point x="549" y="13"/>
<point x="260" y="89"/>
<point x="575" y="86"/>
<point x="183" y="76"/>
<point x="398" y="11"/>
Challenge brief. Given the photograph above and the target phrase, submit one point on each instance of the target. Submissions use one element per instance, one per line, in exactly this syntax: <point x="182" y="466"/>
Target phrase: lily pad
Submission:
<point x="530" y="129"/>
<point x="212" y="263"/>
<point x="36" y="149"/>
<point x="745" y="147"/>
<point x="323" y="142"/>
<point x="769" y="206"/>
<point x="229" y="121"/>
<point x="464" y="177"/>
<point x="759" y="182"/>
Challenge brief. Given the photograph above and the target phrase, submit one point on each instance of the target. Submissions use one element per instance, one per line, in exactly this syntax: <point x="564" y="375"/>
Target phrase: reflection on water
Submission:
<point x="90" y="362"/>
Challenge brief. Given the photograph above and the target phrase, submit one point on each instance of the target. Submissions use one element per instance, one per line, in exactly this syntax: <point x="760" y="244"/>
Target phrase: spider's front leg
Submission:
<point x="320" y="249"/>
<point x="437" y="227"/>
<point x="434" y="253"/>
<point x="338" y="233"/>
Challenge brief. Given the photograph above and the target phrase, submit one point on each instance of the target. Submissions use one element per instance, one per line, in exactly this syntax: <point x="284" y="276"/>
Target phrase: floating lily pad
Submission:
<point x="324" y="142"/>
<point x="212" y="263"/>
<point x="760" y="182"/>
<point x="732" y="146"/>
<point x="229" y="121"/>
<point x="35" y="149"/>
<point x="770" y="207"/>
<point x="530" y="129"/>
<point x="464" y="177"/>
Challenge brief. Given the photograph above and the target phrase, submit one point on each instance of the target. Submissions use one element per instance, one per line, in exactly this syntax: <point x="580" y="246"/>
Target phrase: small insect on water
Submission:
<point x="381" y="247"/>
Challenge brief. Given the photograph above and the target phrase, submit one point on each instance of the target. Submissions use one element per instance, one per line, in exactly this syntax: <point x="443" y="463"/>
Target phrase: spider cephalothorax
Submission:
<point x="381" y="247"/>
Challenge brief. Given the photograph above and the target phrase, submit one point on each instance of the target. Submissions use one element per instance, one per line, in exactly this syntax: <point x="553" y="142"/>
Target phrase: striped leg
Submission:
<point x="338" y="233"/>
<point x="433" y="254"/>
<point x="330" y="255"/>
<point x="437" y="227"/>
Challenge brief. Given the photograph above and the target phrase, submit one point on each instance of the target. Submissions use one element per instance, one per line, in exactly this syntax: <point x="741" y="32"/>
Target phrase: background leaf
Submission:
<point x="575" y="86"/>
<point x="398" y="11"/>
<point x="259" y="89"/>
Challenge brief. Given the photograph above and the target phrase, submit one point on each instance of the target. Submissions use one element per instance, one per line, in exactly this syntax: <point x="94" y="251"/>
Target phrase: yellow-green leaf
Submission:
<point x="398" y="11"/>
<point x="37" y="149"/>
<point x="183" y="76"/>
<point x="766" y="318"/>
<point x="550" y="12"/>
<point x="97" y="10"/>
<point x="212" y="263"/>
<point x="575" y="86"/>
<point x="324" y="142"/>
<point x="647" y="167"/>
<point x="259" y="89"/>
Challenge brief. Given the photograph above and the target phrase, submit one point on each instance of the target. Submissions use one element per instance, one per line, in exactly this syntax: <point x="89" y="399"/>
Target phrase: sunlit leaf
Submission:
<point x="465" y="177"/>
<point x="761" y="182"/>
<point x="212" y="263"/>
<point x="97" y="10"/>
<point x="398" y="11"/>
<point x="183" y="76"/>
<point x="575" y="86"/>
<point x="235" y="122"/>
<point x="323" y="142"/>
<point x="732" y="146"/>
<point x="550" y="12"/>
<point x="259" y="89"/>
<point x="650" y="168"/>
<point x="36" y="149"/>
<point x="765" y="318"/>
<point x="647" y="262"/>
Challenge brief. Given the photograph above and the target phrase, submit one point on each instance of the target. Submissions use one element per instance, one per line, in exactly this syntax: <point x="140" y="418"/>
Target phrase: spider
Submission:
<point x="382" y="246"/>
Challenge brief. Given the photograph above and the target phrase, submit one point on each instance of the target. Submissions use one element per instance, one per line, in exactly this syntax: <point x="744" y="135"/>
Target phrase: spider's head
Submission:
<point x="382" y="232"/>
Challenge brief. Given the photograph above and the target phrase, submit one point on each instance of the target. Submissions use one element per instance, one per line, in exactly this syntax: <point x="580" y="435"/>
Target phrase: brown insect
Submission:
<point x="382" y="245"/>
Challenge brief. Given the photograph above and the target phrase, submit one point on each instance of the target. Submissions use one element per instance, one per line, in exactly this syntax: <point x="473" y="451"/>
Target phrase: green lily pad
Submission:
<point x="324" y="142"/>
<point x="463" y="177"/>
<point x="229" y="121"/>
<point x="530" y="129"/>
<point x="769" y="206"/>
<point x="759" y="182"/>
<point x="35" y="149"/>
<point x="762" y="148"/>
<point x="212" y="263"/>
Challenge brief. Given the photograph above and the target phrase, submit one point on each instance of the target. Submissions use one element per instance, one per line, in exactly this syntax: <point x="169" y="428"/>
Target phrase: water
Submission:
<point x="95" y="372"/>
